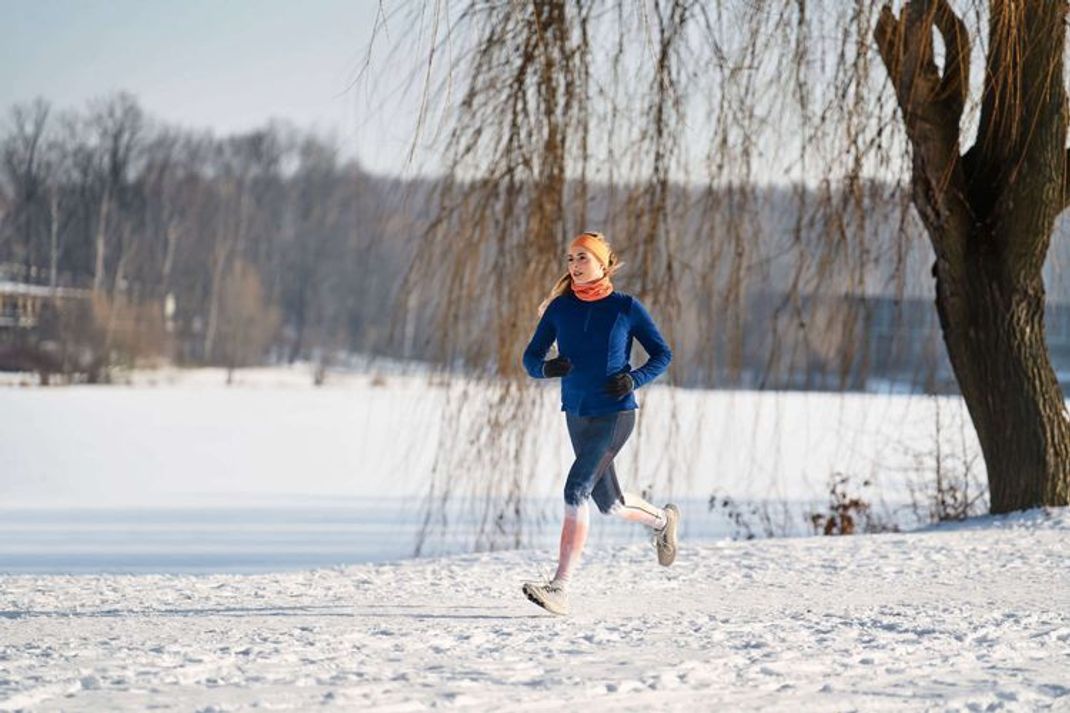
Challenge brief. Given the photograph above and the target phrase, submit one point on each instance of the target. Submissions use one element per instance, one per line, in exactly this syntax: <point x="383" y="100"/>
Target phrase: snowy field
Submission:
<point x="968" y="618"/>
<point x="174" y="437"/>
<point x="177" y="543"/>
<point x="176" y="472"/>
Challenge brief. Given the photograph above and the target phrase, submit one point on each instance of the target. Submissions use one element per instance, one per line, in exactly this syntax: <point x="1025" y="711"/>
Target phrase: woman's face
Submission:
<point x="584" y="267"/>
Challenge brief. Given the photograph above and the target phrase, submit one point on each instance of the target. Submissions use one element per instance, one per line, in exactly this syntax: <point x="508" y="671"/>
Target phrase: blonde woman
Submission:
<point x="594" y="326"/>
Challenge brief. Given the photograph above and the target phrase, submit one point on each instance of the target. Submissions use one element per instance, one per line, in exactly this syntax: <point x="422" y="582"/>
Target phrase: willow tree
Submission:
<point x="989" y="212"/>
<point x="663" y="122"/>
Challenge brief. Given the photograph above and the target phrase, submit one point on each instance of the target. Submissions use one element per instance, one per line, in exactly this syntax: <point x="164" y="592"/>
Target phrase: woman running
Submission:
<point x="594" y="327"/>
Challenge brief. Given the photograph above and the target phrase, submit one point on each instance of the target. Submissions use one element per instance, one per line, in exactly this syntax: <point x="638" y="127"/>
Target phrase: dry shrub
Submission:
<point x="131" y="332"/>
<point x="848" y="513"/>
<point x="72" y="339"/>
<point x="948" y="482"/>
<point x="247" y="324"/>
<point x="748" y="521"/>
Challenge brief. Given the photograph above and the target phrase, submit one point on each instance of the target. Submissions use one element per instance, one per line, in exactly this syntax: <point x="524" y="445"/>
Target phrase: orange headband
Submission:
<point x="594" y="246"/>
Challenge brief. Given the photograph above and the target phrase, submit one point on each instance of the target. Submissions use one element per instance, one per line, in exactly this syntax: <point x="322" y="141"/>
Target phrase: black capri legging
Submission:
<point x="596" y="440"/>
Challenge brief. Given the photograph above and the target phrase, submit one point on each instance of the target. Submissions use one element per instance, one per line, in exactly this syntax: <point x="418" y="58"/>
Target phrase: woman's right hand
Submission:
<point x="556" y="367"/>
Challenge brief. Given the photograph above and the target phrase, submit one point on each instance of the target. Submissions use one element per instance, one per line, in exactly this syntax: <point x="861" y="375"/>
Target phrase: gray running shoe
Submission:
<point x="552" y="597"/>
<point x="666" y="536"/>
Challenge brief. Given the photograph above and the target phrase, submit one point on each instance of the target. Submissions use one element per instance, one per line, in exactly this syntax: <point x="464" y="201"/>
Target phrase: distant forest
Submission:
<point x="199" y="249"/>
<point x="167" y="244"/>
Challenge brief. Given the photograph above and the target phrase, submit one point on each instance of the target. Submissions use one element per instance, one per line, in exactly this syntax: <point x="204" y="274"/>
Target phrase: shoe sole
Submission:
<point x="534" y="599"/>
<point x="672" y="525"/>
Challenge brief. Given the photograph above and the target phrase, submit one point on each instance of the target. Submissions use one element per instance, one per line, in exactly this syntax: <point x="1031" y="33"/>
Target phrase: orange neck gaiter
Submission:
<point x="591" y="291"/>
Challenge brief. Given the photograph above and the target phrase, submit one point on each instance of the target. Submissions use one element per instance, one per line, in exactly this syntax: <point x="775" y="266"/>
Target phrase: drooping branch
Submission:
<point x="1023" y="90"/>
<point x="1020" y="151"/>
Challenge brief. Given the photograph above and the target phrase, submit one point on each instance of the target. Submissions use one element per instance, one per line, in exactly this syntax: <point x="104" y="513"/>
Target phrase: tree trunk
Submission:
<point x="995" y="340"/>
<point x="170" y="242"/>
<point x="300" y="320"/>
<point x="102" y="226"/>
<point x="219" y="262"/>
<point x="227" y="245"/>
<point x="990" y="214"/>
<point x="53" y="239"/>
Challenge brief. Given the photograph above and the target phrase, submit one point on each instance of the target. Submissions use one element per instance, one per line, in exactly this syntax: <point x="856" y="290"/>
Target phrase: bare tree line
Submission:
<point x="238" y="249"/>
<point x="195" y="248"/>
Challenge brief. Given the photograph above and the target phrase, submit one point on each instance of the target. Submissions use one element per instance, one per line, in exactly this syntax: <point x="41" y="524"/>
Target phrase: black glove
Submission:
<point x="620" y="385"/>
<point x="556" y="367"/>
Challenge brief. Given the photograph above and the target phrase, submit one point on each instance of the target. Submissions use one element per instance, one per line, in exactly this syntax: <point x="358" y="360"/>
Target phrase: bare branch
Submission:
<point x="906" y="47"/>
<point x="956" y="79"/>
<point x="889" y="37"/>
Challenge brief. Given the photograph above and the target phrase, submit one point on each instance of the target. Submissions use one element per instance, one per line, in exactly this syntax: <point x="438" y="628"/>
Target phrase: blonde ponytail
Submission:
<point x="563" y="285"/>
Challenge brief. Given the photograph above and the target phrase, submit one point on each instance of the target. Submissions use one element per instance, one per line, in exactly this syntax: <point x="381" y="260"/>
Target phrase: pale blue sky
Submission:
<point x="227" y="65"/>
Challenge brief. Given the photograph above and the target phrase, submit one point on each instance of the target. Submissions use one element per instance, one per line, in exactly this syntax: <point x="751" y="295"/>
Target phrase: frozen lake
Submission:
<point x="200" y="540"/>
<point x="244" y="540"/>
<point x="176" y="472"/>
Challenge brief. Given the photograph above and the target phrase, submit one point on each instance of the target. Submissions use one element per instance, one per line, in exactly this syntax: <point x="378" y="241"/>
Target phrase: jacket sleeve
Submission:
<point x="544" y="336"/>
<point x="644" y="329"/>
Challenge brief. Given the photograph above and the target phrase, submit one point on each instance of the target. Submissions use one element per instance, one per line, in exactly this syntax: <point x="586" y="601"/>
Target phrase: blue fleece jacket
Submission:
<point x="597" y="338"/>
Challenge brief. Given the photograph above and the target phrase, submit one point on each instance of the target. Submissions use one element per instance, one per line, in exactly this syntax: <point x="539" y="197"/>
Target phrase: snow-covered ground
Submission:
<point x="972" y="617"/>
<point x="258" y="485"/>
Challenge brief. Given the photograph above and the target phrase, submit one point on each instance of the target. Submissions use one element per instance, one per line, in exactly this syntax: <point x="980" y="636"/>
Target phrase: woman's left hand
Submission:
<point x="620" y="385"/>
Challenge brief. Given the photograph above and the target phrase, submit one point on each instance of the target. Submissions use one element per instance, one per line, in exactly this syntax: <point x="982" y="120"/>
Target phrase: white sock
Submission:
<point x="635" y="509"/>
